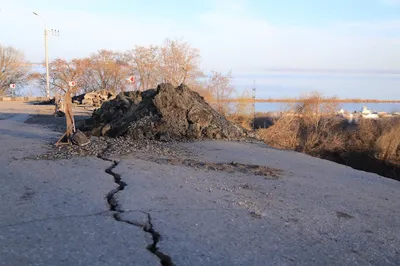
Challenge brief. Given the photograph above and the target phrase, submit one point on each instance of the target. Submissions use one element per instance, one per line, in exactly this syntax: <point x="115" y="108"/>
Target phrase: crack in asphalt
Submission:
<point x="147" y="227"/>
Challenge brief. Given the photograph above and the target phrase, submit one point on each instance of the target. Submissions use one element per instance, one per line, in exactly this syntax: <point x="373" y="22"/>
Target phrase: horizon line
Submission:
<point x="330" y="70"/>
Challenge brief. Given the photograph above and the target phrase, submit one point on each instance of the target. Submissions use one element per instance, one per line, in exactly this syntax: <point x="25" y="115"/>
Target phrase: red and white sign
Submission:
<point x="12" y="86"/>
<point x="72" y="83"/>
<point x="131" y="79"/>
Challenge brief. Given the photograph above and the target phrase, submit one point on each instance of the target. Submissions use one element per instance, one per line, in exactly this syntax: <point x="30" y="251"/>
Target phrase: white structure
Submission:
<point x="368" y="114"/>
<point x="346" y="115"/>
<point x="365" y="111"/>
<point x="341" y="112"/>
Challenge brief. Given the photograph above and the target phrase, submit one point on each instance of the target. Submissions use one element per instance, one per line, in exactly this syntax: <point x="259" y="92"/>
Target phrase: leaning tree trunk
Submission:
<point x="68" y="114"/>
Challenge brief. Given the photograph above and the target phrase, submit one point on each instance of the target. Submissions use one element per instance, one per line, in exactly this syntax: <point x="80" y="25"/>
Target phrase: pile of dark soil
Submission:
<point x="165" y="114"/>
<point x="50" y="101"/>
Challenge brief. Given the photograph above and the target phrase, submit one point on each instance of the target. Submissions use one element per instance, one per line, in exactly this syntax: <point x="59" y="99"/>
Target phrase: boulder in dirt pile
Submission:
<point x="80" y="139"/>
<point x="95" y="98"/>
<point x="166" y="113"/>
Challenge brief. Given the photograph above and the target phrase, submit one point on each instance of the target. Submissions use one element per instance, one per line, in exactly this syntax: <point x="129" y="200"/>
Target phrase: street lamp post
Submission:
<point x="46" y="55"/>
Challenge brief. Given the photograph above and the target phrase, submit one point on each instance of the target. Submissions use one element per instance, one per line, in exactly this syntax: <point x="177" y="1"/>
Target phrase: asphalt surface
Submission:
<point x="71" y="212"/>
<point x="55" y="212"/>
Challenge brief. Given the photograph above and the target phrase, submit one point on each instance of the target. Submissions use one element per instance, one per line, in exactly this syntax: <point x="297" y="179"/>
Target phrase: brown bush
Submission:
<point x="378" y="138"/>
<point x="363" y="136"/>
<point x="308" y="126"/>
<point x="388" y="144"/>
<point x="283" y="134"/>
<point x="245" y="121"/>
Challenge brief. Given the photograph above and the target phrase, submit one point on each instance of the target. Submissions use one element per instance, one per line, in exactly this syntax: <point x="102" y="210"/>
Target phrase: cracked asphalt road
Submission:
<point x="315" y="213"/>
<point x="55" y="212"/>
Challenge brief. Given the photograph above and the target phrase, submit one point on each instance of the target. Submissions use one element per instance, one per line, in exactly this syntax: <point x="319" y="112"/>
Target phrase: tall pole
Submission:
<point x="46" y="55"/>
<point x="46" y="42"/>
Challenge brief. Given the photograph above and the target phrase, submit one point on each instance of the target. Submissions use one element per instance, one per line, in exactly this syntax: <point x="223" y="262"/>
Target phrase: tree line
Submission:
<point x="175" y="62"/>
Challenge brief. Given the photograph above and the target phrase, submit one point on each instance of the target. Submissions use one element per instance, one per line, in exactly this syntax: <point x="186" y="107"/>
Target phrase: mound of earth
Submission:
<point x="166" y="113"/>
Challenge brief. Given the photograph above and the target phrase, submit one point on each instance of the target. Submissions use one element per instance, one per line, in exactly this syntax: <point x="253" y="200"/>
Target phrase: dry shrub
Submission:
<point x="283" y="134"/>
<point x="365" y="136"/>
<point x="245" y="121"/>
<point x="314" y="108"/>
<point x="242" y="111"/>
<point x="388" y="143"/>
<point x="326" y="137"/>
<point x="309" y="126"/>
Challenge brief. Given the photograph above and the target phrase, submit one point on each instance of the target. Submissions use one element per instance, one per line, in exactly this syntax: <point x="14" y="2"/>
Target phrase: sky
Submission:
<point x="248" y="37"/>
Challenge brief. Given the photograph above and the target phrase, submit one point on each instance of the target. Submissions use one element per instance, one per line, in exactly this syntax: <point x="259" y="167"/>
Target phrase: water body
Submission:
<point x="351" y="107"/>
<point x="274" y="84"/>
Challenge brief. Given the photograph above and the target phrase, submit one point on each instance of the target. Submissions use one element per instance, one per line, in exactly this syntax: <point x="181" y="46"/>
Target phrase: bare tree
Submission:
<point x="179" y="63"/>
<point x="221" y="88"/>
<point x="108" y="71"/>
<point x="13" y="69"/>
<point x="174" y="62"/>
<point x="86" y="78"/>
<point x="62" y="72"/>
<point x="145" y="64"/>
<point x="102" y="71"/>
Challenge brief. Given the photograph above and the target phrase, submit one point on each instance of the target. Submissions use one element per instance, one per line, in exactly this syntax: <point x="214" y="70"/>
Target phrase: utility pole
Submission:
<point x="46" y="52"/>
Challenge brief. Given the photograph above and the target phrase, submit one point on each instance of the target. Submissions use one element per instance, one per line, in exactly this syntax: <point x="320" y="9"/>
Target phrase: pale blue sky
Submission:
<point x="245" y="36"/>
<point x="306" y="12"/>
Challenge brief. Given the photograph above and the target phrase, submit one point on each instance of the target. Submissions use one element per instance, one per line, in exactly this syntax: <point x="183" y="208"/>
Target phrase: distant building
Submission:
<point x="366" y="113"/>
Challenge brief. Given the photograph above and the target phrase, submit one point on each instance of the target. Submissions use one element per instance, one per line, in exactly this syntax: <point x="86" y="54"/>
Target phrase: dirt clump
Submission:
<point x="231" y="167"/>
<point x="166" y="113"/>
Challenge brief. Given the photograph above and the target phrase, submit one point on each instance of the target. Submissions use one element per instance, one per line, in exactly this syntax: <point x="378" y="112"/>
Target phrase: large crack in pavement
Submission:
<point x="115" y="207"/>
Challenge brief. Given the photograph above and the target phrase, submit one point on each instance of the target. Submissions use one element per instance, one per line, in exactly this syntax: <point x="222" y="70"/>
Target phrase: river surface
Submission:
<point x="291" y="84"/>
<point x="351" y="107"/>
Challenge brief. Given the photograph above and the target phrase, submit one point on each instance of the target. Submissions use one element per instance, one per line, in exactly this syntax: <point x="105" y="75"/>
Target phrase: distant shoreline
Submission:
<point x="287" y="100"/>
